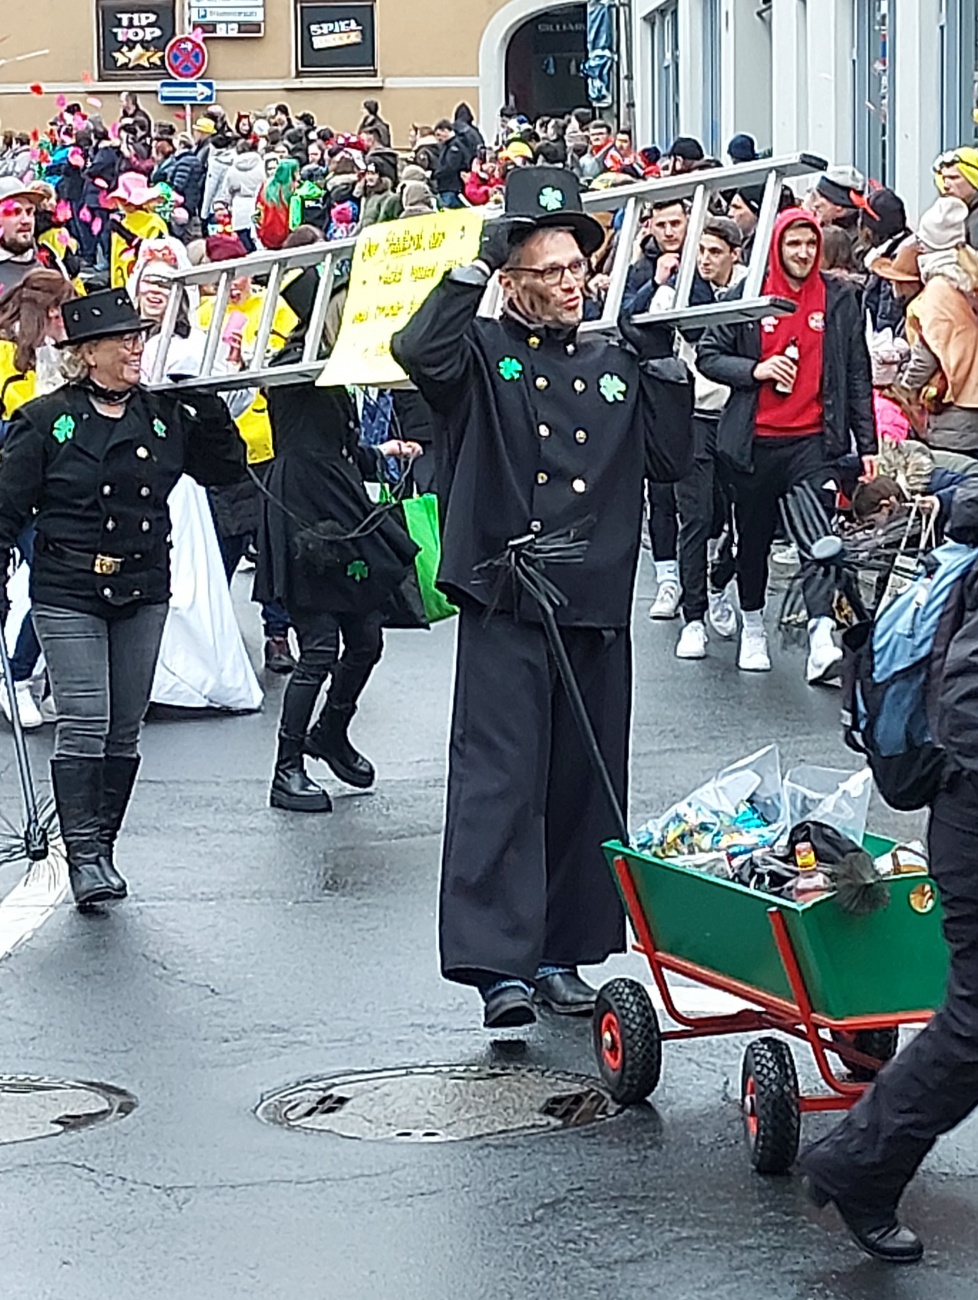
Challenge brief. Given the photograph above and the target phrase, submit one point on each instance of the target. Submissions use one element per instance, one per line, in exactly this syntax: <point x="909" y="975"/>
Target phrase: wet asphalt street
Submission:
<point x="261" y="948"/>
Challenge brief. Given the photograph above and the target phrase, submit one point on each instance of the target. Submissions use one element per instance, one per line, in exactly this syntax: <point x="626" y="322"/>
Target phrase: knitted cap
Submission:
<point x="943" y="225"/>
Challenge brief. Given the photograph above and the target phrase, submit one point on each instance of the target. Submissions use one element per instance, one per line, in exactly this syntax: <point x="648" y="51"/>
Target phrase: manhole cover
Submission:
<point x="439" y="1103"/>
<point x="38" y="1108"/>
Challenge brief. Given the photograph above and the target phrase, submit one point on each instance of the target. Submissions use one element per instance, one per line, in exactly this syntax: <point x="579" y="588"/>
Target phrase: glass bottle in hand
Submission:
<point x="792" y="353"/>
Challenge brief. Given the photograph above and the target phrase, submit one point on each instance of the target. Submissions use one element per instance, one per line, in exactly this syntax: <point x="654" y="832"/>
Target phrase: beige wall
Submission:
<point x="416" y="39"/>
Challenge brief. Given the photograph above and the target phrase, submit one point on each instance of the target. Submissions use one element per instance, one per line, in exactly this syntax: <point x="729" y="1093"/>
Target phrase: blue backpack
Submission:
<point x="892" y="675"/>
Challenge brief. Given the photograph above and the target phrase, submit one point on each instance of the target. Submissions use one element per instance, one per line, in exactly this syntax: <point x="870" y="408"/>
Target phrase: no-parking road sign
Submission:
<point x="186" y="58"/>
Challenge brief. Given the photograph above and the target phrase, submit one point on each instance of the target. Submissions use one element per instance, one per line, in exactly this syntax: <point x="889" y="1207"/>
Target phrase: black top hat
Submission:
<point x="552" y="197"/>
<point x="101" y="315"/>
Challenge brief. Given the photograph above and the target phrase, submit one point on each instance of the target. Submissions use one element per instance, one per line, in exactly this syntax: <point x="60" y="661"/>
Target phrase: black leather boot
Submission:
<point x="291" y="788"/>
<point x="118" y="779"/>
<point x="329" y="741"/>
<point x="77" y="784"/>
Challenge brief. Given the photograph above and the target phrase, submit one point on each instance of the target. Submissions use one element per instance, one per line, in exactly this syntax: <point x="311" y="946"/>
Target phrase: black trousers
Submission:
<point x="932" y="1085"/>
<point x="663" y="520"/>
<point x="702" y="508"/>
<point x="524" y="881"/>
<point x="319" y="634"/>
<point x="780" y="464"/>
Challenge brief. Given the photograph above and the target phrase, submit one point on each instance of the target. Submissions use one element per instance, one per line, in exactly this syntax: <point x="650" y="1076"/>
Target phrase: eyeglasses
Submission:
<point x="553" y="275"/>
<point x="130" y="342"/>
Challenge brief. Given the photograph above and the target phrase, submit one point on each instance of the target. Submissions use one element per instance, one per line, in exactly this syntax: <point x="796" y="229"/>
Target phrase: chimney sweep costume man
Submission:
<point x="97" y="460"/>
<point x="544" y="434"/>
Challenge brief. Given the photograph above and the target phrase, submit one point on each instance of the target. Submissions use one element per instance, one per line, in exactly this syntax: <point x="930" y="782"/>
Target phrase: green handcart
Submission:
<point x="842" y="983"/>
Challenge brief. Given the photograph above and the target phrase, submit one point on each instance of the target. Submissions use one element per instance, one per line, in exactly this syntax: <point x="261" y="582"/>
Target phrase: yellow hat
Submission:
<point x="517" y="150"/>
<point x="964" y="158"/>
<point x="205" y="126"/>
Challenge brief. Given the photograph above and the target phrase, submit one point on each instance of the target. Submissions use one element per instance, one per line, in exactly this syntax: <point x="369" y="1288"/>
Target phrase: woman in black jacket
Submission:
<point x="331" y="557"/>
<point x="97" y="460"/>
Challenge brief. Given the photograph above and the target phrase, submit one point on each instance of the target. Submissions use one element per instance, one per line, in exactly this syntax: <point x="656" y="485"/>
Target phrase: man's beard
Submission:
<point x="16" y="244"/>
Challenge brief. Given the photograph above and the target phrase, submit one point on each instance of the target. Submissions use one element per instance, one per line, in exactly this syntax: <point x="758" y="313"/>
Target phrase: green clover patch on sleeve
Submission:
<point x="63" y="428"/>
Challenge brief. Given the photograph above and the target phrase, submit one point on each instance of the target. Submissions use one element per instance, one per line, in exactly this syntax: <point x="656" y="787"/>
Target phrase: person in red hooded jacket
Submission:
<point x="801" y="396"/>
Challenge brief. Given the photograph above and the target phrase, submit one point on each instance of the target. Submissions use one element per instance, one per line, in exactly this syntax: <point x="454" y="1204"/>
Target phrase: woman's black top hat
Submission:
<point x="552" y="197"/>
<point x="101" y="315"/>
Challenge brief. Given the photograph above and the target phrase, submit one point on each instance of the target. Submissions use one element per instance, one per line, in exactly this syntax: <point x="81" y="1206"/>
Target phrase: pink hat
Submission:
<point x="132" y="189"/>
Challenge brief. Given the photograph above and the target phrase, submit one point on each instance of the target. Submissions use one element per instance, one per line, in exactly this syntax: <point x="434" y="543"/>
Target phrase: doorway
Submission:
<point x="544" y="63"/>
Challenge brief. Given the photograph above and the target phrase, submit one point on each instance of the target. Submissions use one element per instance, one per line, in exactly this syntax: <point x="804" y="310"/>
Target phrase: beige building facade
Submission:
<point x="418" y="57"/>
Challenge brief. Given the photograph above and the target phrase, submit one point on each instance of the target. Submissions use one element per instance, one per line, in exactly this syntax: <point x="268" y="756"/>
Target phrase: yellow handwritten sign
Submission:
<point x="395" y="266"/>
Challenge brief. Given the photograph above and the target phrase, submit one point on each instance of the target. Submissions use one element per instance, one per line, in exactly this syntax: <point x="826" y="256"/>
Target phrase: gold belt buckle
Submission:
<point x="107" y="565"/>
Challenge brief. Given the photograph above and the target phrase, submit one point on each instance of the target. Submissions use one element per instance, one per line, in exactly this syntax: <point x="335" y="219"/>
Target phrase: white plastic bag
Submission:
<point x="830" y="795"/>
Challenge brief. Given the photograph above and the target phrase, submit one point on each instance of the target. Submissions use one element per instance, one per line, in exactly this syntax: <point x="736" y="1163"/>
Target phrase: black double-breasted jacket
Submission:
<point x="542" y="430"/>
<point x="99" y="488"/>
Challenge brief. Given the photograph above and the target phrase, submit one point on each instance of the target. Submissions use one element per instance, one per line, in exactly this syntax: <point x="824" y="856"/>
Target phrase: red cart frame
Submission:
<point x="796" y="1019"/>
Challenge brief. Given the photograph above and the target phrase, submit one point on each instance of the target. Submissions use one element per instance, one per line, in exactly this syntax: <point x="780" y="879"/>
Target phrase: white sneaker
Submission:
<point x="723" y="616"/>
<point x="692" y="641"/>
<point x="753" y="656"/>
<point x="30" y="718"/>
<point x="667" y="598"/>
<point x="824" y="656"/>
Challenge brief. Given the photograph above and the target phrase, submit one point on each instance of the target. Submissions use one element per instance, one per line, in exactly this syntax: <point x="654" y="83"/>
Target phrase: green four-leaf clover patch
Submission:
<point x="551" y="199"/>
<point x="510" y="368"/>
<point x="612" y="388"/>
<point x="63" y="428"/>
<point x="159" y="428"/>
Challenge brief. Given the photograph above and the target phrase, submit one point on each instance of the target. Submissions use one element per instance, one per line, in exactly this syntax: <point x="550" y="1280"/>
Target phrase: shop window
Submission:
<point x="872" y="146"/>
<point x="959" y="73"/>
<point x="665" y="73"/>
<point x="336" y="39"/>
<point x="711" y="77"/>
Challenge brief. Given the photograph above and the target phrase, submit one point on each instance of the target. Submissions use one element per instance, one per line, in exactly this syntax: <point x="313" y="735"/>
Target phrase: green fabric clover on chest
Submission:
<point x="358" y="570"/>
<point x="159" y="428"/>
<point x="63" y="428"/>
<point x="612" y="388"/>
<point x="510" y="368"/>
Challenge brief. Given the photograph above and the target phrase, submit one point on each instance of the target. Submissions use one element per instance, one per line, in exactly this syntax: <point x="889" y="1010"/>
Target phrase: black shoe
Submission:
<point x="292" y="790"/>
<point x="278" y="656"/>
<point x="90" y="884"/>
<point x="508" y="1006"/>
<point x="329" y="741"/>
<point x="566" y="994"/>
<point x="888" y="1240"/>
<point x="77" y="784"/>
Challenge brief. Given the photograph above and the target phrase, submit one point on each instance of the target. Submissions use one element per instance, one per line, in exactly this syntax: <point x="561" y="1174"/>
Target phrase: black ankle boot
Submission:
<point x="118" y="779"/>
<point x="77" y="784"/>
<point x="291" y="788"/>
<point x="329" y="741"/>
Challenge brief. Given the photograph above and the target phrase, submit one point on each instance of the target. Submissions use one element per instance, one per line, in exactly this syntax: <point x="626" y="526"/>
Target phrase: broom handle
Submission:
<point x="33" y="834"/>
<point x="579" y="709"/>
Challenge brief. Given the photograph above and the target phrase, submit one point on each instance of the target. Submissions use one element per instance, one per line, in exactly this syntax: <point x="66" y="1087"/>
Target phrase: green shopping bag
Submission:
<point x="421" y="517"/>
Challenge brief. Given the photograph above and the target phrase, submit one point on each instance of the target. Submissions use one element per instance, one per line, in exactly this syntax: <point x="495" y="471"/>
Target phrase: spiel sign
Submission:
<point x="132" y="42"/>
<point x="335" y="37"/>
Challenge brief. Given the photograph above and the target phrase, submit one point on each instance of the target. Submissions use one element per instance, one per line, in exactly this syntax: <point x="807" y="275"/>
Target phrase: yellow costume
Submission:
<point x="254" y="424"/>
<point x="15" y="388"/>
<point x="141" y="225"/>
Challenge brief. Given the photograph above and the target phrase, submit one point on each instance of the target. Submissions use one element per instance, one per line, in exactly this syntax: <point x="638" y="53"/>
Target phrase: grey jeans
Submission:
<point x="101" y="674"/>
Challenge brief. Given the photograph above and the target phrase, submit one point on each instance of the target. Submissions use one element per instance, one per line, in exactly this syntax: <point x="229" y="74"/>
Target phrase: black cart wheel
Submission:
<point x="881" y="1044"/>
<point x="772" y="1113"/>
<point x="627" y="1041"/>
